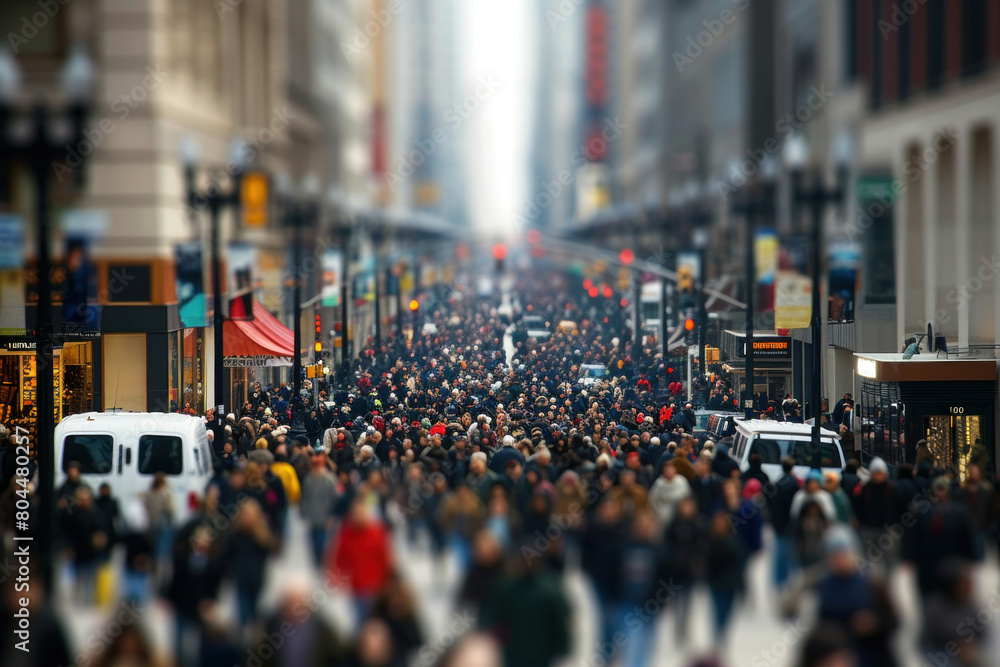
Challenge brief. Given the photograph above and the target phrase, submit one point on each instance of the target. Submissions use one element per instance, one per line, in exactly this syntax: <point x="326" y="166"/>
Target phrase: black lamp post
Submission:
<point x="215" y="199"/>
<point x="815" y="196"/>
<point x="298" y="215"/>
<point x="342" y="225"/>
<point x="41" y="147"/>
<point x="757" y="200"/>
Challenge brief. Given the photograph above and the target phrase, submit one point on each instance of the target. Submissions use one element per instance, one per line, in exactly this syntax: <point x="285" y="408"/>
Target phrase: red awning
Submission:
<point x="248" y="339"/>
<point x="274" y="328"/>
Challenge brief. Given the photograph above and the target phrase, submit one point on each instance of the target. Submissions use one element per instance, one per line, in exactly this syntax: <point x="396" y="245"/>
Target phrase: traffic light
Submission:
<point x="319" y="347"/>
<point x="607" y="292"/>
<point x="685" y="279"/>
<point x="414" y="307"/>
<point x="690" y="328"/>
<point x="319" y="326"/>
<point x="534" y="236"/>
<point x="626" y="257"/>
<point x="499" y="257"/>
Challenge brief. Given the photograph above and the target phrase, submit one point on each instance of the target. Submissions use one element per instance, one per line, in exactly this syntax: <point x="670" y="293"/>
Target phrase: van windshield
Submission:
<point x="160" y="453"/>
<point x="772" y="450"/>
<point x="92" y="452"/>
<point x="593" y="372"/>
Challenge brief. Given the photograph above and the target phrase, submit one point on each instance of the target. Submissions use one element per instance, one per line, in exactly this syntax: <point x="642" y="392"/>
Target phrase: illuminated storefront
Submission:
<point x="950" y="403"/>
<point x="73" y="374"/>
<point x="772" y="357"/>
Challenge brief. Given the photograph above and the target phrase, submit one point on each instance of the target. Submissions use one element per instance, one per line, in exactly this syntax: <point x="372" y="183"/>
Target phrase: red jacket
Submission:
<point x="362" y="557"/>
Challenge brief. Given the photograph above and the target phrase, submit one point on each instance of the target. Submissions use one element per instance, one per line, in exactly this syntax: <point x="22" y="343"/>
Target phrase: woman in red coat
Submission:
<point x="362" y="558"/>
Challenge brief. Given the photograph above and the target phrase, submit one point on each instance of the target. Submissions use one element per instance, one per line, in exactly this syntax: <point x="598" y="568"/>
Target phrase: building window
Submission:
<point x="129" y="283"/>
<point x="974" y="29"/>
<point x="850" y="40"/>
<point x="30" y="31"/>
<point x="192" y="372"/>
<point x="935" y="43"/>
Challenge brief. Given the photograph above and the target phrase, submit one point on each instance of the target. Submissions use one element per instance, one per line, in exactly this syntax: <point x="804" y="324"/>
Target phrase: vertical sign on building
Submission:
<point x="766" y="253"/>
<point x="12" y="287"/>
<point x="190" y="285"/>
<point x="242" y="260"/>
<point x="333" y="260"/>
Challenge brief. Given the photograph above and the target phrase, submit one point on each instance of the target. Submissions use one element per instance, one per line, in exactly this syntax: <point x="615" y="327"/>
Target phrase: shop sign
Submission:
<point x="770" y="347"/>
<point x="256" y="361"/>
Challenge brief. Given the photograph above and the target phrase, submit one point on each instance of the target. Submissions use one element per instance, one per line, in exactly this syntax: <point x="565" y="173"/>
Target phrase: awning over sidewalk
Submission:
<point x="262" y="341"/>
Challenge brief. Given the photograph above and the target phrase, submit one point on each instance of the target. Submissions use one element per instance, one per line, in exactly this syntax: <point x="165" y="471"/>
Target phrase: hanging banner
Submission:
<point x="766" y="261"/>
<point x="12" y="286"/>
<point x="242" y="259"/>
<point x="793" y="301"/>
<point x="844" y="260"/>
<point x="78" y="288"/>
<point x="333" y="264"/>
<point x="190" y="285"/>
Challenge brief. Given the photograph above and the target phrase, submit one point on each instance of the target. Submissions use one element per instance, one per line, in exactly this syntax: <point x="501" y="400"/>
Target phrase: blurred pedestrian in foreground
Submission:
<point x="319" y="492"/>
<point x="248" y="548"/>
<point x="725" y="570"/>
<point x="362" y="557"/>
<point x="856" y="602"/>
<point x="528" y="613"/>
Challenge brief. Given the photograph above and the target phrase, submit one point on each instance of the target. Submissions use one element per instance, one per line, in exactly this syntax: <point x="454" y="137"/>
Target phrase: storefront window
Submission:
<point x="173" y="369"/>
<point x="78" y="369"/>
<point x="193" y="372"/>
<point x="881" y="423"/>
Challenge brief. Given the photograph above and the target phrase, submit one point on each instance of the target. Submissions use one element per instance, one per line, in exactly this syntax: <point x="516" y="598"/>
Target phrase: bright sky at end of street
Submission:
<point x="501" y="42"/>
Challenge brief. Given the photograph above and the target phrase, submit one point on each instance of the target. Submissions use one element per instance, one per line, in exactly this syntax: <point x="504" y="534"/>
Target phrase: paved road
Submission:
<point x="758" y="635"/>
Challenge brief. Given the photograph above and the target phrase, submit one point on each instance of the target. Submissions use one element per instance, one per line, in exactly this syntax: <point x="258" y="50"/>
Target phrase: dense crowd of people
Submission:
<point x="514" y="472"/>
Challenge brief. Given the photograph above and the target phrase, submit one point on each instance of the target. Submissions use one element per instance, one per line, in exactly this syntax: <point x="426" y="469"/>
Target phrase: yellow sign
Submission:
<point x="792" y="301"/>
<point x="253" y="199"/>
<point x="711" y="355"/>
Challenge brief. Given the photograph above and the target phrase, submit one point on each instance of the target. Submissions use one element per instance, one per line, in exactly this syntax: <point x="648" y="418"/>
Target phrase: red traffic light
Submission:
<point x="319" y="324"/>
<point x="626" y="256"/>
<point x="588" y="283"/>
<point x="607" y="292"/>
<point x="593" y="292"/>
<point x="414" y="305"/>
<point x="623" y="303"/>
<point x="670" y="370"/>
<point x="499" y="252"/>
<point x="689" y="324"/>
<point x="534" y="236"/>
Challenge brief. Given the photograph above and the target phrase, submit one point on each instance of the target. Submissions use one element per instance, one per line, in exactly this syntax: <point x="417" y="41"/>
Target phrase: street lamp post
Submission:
<point x="216" y="200"/>
<point x="815" y="197"/>
<point x="41" y="148"/>
<point x="755" y="201"/>
<point x="298" y="215"/>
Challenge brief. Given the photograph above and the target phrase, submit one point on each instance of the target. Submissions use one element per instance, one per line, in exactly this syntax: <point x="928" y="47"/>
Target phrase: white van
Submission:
<point x="775" y="440"/>
<point x="126" y="449"/>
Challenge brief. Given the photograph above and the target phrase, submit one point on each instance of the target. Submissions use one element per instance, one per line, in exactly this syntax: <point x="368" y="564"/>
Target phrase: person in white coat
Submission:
<point x="667" y="492"/>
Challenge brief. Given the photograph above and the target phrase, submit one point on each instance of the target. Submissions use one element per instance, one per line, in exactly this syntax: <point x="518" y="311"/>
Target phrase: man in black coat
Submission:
<point x="780" y="510"/>
<point x="944" y="532"/>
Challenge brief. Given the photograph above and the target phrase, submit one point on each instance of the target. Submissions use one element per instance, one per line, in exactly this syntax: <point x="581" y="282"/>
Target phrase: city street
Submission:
<point x="669" y="329"/>
<point x="758" y="637"/>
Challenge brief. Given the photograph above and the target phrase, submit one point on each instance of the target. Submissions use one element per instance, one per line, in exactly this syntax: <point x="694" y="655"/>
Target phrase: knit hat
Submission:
<point x="840" y="538"/>
<point x="814" y="476"/>
<point x="261" y="443"/>
<point x="261" y="456"/>
<point x="425" y="422"/>
<point x="878" y="465"/>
